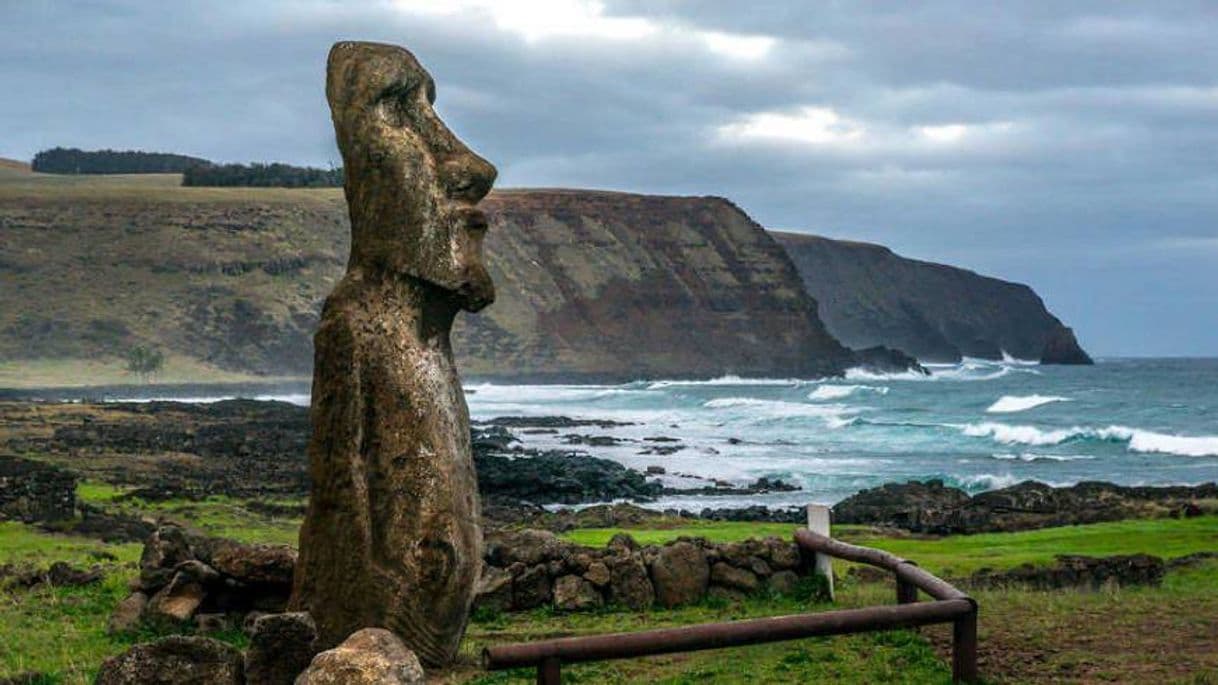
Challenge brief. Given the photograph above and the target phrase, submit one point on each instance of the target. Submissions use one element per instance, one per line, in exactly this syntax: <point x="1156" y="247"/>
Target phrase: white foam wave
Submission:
<point x="834" y="415"/>
<point x="728" y="380"/>
<point x="1032" y="456"/>
<point x="1008" y="359"/>
<point x="1189" y="446"/>
<point x="837" y="392"/>
<point x="1008" y="404"/>
<point x="988" y="481"/>
<point x="968" y="369"/>
<point x="1137" y="440"/>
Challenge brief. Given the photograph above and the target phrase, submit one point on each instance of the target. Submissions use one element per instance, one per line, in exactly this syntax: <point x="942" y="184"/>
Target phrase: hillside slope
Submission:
<point x="591" y="285"/>
<point x="869" y="295"/>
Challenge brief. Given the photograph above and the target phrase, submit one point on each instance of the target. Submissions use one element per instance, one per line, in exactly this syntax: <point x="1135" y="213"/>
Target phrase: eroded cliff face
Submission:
<point x="870" y="296"/>
<point x="591" y="285"/>
<point x="601" y="285"/>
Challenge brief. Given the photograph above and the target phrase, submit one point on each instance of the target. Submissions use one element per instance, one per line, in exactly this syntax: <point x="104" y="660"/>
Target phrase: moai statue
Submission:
<point x="391" y="538"/>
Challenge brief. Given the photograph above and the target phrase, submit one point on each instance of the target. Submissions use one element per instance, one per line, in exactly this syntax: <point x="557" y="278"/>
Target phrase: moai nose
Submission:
<point x="467" y="177"/>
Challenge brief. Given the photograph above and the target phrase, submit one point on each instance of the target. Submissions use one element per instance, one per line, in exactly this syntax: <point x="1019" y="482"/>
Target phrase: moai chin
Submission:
<point x="391" y="538"/>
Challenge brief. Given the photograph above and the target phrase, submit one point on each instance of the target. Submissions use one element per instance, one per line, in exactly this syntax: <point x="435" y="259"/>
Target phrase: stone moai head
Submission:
<point x="411" y="185"/>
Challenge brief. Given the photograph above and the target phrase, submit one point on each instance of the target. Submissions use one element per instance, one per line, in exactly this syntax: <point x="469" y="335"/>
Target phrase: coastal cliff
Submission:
<point x="869" y="295"/>
<point x="591" y="285"/>
<point x="618" y="286"/>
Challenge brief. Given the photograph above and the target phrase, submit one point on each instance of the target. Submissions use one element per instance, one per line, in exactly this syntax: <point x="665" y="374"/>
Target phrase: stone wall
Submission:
<point x="32" y="491"/>
<point x="187" y="577"/>
<point x="531" y="568"/>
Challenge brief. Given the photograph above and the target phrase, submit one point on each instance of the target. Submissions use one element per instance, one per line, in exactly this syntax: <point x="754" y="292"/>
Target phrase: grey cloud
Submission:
<point x="1108" y="158"/>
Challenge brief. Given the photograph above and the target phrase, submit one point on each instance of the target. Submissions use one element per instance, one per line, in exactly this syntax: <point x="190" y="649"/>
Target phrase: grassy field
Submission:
<point x="961" y="555"/>
<point x="1165" y="634"/>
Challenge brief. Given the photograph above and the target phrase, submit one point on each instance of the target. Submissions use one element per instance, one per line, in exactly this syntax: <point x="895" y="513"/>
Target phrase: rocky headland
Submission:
<point x="870" y="295"/>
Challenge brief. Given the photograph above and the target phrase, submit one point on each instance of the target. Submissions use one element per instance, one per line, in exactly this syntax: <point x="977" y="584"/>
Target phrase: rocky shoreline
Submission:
<point x="254" y="451"/>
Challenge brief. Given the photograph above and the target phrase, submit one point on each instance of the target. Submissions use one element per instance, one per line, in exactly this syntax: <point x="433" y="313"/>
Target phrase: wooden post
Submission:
<point x="819" y="523"/>
<point x="549" y="671"/>
<point x="964" y="649"/>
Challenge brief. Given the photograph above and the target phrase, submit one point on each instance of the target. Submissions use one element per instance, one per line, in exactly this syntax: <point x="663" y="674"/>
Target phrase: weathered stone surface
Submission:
<point x="784" y="582"/>
<point x="372" y="656"/>
<point x="126" y="616"/>
<point x="729" y="576"/>
<point x="494" y="589"/>
<point x="573" y="593"/>
<point x="598" y="574"/>
<point x="628" y="582"/>
<point x="530" y="547"/>
<point x="391" y="537"/>
<point x="281" y="647"/>
<point x="268" y="564"/>
<point x="174" y="660"/>
<point x="680" y="574"/>
<point x="783" y="554"/>
<point x="178" y="601"/>
<point x="213" y="622"/>
<point x="532" y="588"/>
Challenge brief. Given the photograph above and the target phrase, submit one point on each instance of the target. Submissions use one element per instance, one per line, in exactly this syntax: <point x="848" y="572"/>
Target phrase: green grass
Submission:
<point x="896" y="657"/>
<point x="715" y="531"/>
<point x="216" y="514"/>
<point x="25" y="545"/>
<point x="962" y="554"/>
<point x="1074" y="635"/>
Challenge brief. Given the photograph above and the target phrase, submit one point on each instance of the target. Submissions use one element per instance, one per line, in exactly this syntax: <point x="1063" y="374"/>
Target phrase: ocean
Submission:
<point x="978" y="425"/>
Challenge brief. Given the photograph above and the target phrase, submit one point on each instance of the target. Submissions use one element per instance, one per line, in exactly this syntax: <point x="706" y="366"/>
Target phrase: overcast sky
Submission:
<point x="1072" y="146"/>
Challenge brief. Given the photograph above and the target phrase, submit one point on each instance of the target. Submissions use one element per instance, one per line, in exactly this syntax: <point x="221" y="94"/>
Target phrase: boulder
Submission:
<point x="783" y="554"/>
<point x="281" y="647"/>
<point x="178" y="601"/>
<point x="784" y="582"/>
<point x="928" y="507"/>
<point x="597" y="574"/>
<point x="726" y="575"/>
<point x="174" y="660"/>
<point x="372" y="656"/>
<point x="494" y="589"/>
<point x="126" y="616"/>
<point x="255" y="564"/>
<point x="532" y="588"/>
<point x="628" y="582"/>
<point x="573" y="593"/>
<point x="529" y="547"/>
<point x="167" y="547"/>
<point x="680" y="574"/>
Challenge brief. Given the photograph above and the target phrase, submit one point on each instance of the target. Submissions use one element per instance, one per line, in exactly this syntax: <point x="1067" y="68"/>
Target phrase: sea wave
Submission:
<point x="1008" y="359"/>
<point x="1032" y="456"/>
<point x="765" y="410"/>
<point x="1136" y="439"/>
<point x="837" y="392"/>
<point x="968" y="369"/>
<point x="1008" y="404"/>
<point x="727" y="380"/>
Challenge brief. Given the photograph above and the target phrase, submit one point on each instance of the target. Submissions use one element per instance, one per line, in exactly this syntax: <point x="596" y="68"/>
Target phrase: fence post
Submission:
<point x="549" y="671"/>
<point x="819" y="522"/>
<point x="907" y="592"/>
<point x="964" y="648"/>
